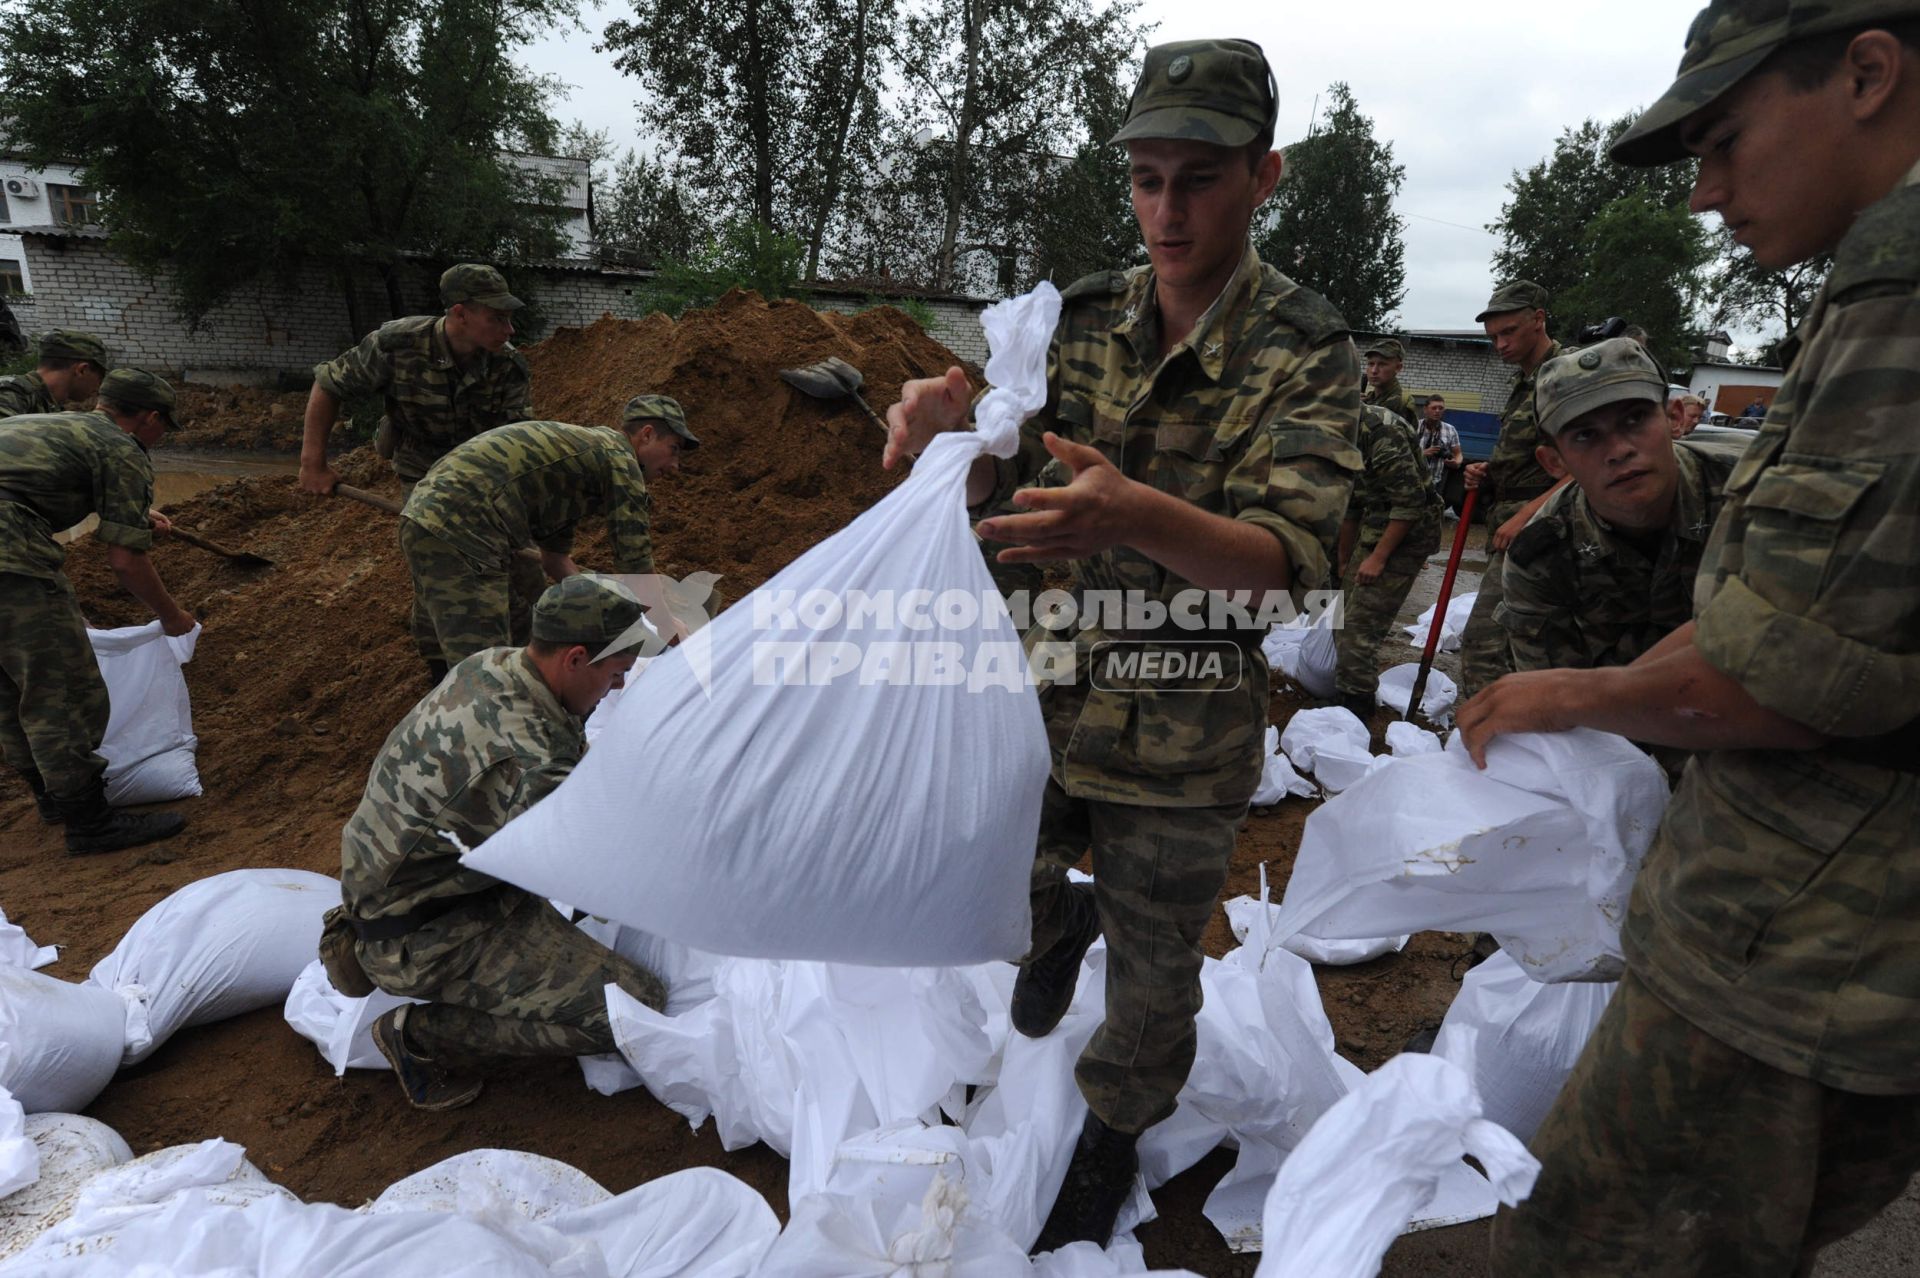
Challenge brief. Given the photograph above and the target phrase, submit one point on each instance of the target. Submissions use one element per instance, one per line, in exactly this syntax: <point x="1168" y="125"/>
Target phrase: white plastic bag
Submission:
<point x="1243" y="913"/>
<point x="149" y="743"/>
<point x="18" y="950"/>
<point x="341" y="1027"/>
<point x="1277" y="777"/>
<point x="803" y="778"/>
<point x="63" y="1039"/>
<point x="1459" y="608"/>
<point x="1305" y="650"/>
<point x="1518" y="1039"/>
<point x="1373" y="1161"/>
<point x="218" y="947"/>
<point x="1331" y="743"/>
<point x="19" y="1159"/>
<point x="1436" y="700"/>
<point x="70" y="1151"/>
<point x="1406" y="739"/>
<point x="1540" y="850"/>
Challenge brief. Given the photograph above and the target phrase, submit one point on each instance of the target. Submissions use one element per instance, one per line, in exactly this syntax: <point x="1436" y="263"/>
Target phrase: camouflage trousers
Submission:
<point x="460" y="609"/>
<point x="1670" y="1154"/>
<point x="53" y="703"/>
<point x="1157" y="873"/>
<point x="1484" y="651"/>
<point x="533" y="985"/>
<point x="1370" y="611"/>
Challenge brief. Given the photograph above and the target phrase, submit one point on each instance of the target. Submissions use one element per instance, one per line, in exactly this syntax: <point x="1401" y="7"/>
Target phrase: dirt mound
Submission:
<point x="240" y="417"/>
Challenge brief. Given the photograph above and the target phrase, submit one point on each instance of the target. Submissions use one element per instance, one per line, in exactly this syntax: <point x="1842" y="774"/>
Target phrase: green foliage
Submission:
<point x="1644" y="262"/>
<point x="1331" y="225"/>
<point x="12" y="362"/>
<point x="1744" y="293"/>
<point x="1081" y="220"/>
<point x="239" y="140"/>
<point x="745" y="254"/>
<point x="914" y="309"/>
<point x="649" y="213"/>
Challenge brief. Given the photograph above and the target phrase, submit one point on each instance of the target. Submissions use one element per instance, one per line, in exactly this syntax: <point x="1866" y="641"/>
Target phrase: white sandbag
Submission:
<point x="1518" y="1039"/>
<point x="1459" y="608"/>
<point x="874" y="772"/>
<point x="539" y="1187"/>
<point x="64" y="1040"/>
<point x="1331" y="743"/>
<point x="1243" y="913"/>
<point x="19" y="1158"/>
<point x="218" y="947"/>
<point x="1305" y="650"/>
<point x="1540" y="850"/>
<point x="70" y="1151"/>
<point x="341" y="1027"/>
<point x="1373" y="1161"/>
<point x="149" y="743"/>
<point x="1277" y="777"/>
<point x="1436" y="701"/>
<point x="18" y="950"/>
<point x="1404" y="740"/>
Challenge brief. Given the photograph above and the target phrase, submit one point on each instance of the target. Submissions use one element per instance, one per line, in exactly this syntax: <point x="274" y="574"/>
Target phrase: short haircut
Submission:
<point x="1808" y="63"/>
<point x="1437" y="399"/>
<point x="61" y="363"/>
<point x="551" y="648"/>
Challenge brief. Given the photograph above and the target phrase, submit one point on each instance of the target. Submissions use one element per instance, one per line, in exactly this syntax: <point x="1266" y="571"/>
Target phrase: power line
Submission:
<point x="1443" y="222"/>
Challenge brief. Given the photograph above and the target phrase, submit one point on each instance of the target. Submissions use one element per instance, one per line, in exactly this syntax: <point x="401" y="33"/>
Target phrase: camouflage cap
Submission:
<point x="1520" y="295"/>
<point x="664" y="409"/>
<point x="482" y="285"/>
<point x="1218" y="91"/>
<point x="71" y="343"/>
<point x="1387" y="348"/>
<point x="1727" y="41"/>
<point x="137" y="388"/>
<point x="591" y="609"/>
<point x="1583" y="380"/>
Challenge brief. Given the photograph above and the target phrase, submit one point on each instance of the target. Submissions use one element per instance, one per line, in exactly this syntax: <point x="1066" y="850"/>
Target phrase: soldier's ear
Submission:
<point x="1550" y="460"/>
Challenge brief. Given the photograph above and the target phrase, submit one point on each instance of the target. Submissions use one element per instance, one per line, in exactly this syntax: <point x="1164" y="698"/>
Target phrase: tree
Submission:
<point x="1331" y="225"/>
<point x="1746" y="293"/>
<point x="1081" y="220"/>
<point x="233" y="141"/>
<point x="1645" y="262"/>
<point x="648" y="211"/>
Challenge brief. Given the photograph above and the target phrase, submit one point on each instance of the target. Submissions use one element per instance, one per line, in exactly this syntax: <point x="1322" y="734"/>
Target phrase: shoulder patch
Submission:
<point x="394" y="334"/>
<point x="1883" y="247"/>
<point x="1098" y="284"/>
<point x="1537" y="541"/>
<point x="1312" y="314"/>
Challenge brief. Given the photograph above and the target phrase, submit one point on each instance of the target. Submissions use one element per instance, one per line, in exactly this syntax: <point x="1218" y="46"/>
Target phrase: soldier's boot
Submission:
<point x="51" y="813"/>
<point x="1359" y="703"/>
<point x="428" y="1084"/>
<point x="1099" y="1180"/>
<point x="436" y="671"/>
<point x="1044" y="989"/>
<point x="94" y="827"/>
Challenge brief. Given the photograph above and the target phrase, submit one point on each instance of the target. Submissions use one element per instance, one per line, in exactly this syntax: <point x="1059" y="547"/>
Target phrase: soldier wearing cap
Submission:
<point x="1512" y="483"/>
<point x="55" y="470"/>
<point x="1753" y="1090"/>
<point x="1198" y="436"/>
<point x="445" y="378"/>
<point x="504" y="975"/>
<point x="1385" y="358"/>
<point x="69" y="369"/>
<point x="528" y="484"/>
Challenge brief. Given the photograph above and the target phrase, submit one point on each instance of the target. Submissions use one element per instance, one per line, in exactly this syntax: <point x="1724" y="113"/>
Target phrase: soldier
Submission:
<point x="503" y="973"/>
<point x="1198" y="436"/>
<point x="528" y="484"/>
<point x="1512" y="483"/>
<point x="1395" y="516"/>
<point x="1385" y="358"/>
<point x="1606" y="569"/>
<point x="71" y="364"/>
<point x="1753" y="1090"/>
<point x="55" y="470"/>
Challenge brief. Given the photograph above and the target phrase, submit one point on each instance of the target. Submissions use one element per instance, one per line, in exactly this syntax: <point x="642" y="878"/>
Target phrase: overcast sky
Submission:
<point x="1466" y="93"/>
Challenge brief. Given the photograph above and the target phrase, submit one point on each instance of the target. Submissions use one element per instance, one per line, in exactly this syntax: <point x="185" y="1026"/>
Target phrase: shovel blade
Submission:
<point x="830" y="378"/>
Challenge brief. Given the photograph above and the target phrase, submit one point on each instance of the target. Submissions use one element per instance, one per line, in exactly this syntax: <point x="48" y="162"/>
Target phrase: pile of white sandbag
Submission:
<point x="1459" y="608"/>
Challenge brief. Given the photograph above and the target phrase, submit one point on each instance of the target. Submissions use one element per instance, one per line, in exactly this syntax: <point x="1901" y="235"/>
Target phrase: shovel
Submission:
<point x="392" y="507"/>
<point x="831" y="378"/>
<point x="1440" y="605"/>
<point x="245" y="558"/>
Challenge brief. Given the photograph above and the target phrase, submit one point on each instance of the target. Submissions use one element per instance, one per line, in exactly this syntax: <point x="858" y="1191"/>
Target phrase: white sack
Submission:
<point x="1373" y="1161"/>
<point x="149" y="743"/>
<point x="539" y="1187"/>
<point x="218" y="947"/>
<point x="840" y="816"/>
<point x="64" y="1040"/>
<point x="1459" y="608"/>
<point x="1540" y="850"/>
<point x="1243" y="912"/>
<point x="1331" y="743"/>
<point x="1304" y="650"/>
<point x="1518" y="1039"/>
<point x="1277" y="777"/>
<point x="70" y="1151"/>
<point x="1406" y="739"/>
<point x="1436" y="700"/>
<point x="18" y="950"/>
<point x="341" y="1027"/>
<point x="19" y="1158"/>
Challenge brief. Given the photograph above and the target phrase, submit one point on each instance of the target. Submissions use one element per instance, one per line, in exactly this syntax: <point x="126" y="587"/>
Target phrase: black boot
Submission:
<point x="1097" y="1185"/>
<point x="1044" y="989"/>
<point x="428" y="1085"/>
<point x="1360" y="703"/>
<point x="436" y="671"/>
<point x="51" y="812"/>
<point x="92" y="826"/>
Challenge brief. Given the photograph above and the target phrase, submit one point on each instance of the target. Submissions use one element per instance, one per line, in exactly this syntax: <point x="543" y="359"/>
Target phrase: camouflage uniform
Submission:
<point x="1251" y="417"/>
<point x="1392" y="397"/>
<point x="1578" y="595"/>
<point x="504" y="973"/>
<point x="55" y="470"/>
<point x="1393" y="486"/>
<point x="1777" y="915"/>
<point x="25" y="393"/>
<point x="525" y="484"/>
<point x="1514" y="477"/>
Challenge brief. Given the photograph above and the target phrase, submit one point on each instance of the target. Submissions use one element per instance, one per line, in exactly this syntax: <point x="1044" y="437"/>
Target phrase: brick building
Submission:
<point x="1460" y="366"/>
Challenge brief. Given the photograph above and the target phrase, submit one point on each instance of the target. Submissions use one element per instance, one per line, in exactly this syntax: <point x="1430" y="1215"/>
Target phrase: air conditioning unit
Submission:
<point x="25" y="188"/>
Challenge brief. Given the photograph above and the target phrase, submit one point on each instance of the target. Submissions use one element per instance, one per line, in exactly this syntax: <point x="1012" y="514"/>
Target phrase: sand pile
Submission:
<point x="245" y="417"/>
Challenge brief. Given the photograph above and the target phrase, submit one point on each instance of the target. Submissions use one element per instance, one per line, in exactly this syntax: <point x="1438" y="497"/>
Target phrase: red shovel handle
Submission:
<point x="1440" y="605"/>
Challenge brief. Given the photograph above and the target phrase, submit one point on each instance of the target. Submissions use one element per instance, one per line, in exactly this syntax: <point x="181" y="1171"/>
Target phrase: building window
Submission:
<point x="74" y="205"/>
<point x="13" y="278"/>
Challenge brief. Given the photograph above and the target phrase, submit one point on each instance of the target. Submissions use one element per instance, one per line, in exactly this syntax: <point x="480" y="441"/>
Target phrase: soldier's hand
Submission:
<point x="159" y="522"/>
<point x="928" y="406"/>
<point x="1369" y="570"/>
<point x="179" y="623"/>
<point x="1087" y="516"/>
<point x="318" y="477"/>
<point x="1474" y="473"/>
<point x="556" y="566"/>
<point x="1503" y="535"/>
<point x="1536" y="701"/>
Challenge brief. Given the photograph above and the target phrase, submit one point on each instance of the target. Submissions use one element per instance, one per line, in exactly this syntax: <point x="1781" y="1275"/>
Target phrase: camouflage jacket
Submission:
<point x="58" y="468"/>
<point x="1578" y="595"/>
<point x="529" y="484"/>
<point x="1393" y="486"/>
<point x="477" y="751"/>
<point x="1250" y="417"/>
<point x="432" y="402"/>
<point x="1393" y="398"/>
<point x="1515" y="474"/>
<point x="25" y="393"/>
<point x="1779" y="909"/>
